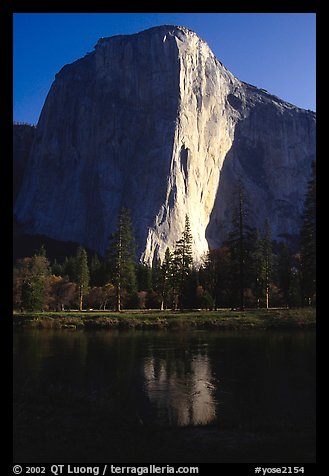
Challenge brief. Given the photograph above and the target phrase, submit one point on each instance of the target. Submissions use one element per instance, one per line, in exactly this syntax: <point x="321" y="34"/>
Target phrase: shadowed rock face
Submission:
<point x="271" y="154"/>
<point x="23" y="135"/>
<point x="156" y="123"/>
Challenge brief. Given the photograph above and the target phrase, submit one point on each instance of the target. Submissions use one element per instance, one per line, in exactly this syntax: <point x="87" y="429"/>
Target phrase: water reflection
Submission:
<point x="181" y="390"/>
<point x="108" y="395"/>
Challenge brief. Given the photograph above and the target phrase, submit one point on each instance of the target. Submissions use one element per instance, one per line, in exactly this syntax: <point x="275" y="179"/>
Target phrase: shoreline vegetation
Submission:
<point x="223" y="319"/>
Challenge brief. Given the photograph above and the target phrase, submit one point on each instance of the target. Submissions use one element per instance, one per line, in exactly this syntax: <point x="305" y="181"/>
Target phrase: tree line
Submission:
<point x="248" y="270"/>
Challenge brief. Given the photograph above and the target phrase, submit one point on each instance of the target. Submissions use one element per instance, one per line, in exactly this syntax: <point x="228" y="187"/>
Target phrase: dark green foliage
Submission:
<point x="203" y="299"/>
<point x="98" y="272"/>
<point x="182" y="263"/>
<point x="308" y="243"/>
<point x="42" y="251"/>
<point x="257" y="269"/>
<point x="33" y="293"/>
<point x="57" y="269"/>
<point x="29" y="282"/>
<point x="156" y="275"/>
<point x="248" y="265"/>
<point x="284" y="273"/>
<point x="121" y="256"/>
<point x="295" y="291"/>
<point x="248" y="270"/>
<point x="144" y="277"/>
<point x="166" y="280"/>
<point x="240" y="245"/>
<point x="81" y="274"/>
<point x="69" y="268"/>
<point x="239" y="267"/>
<point x="266" y="262"/>
<point x="217" y="276"/>
<point x="190" y="286"/>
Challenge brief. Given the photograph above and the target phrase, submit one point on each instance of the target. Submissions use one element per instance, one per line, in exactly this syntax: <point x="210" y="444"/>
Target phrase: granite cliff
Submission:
<point x="23" y="135"/>
<point x="153" y="121"/>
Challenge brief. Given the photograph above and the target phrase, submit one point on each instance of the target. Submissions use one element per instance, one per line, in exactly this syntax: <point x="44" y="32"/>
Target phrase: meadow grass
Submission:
<point x="155" y="319"/>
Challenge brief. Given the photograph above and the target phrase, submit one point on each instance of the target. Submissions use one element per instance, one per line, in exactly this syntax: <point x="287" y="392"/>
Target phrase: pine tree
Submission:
<point x="97" y="273"/>
<point x="121" y="257"/>
<point x="69" y="267"/>
<point x="57" y="269"/>
<point x="268" y="260"/>
<point x="217" y="276"/>
<point x="308" y="242"/>
<point x="144" y="277"/>
<point x="165" y="278"/>
<point x="284" y="271"/>
<point x="182" y="262"/>
<point x="259" y="260"/>
<point x="238" y="243"/>
<point x="241" y="246"/>
<point x="81" y="273"/>
<point x="257" y="267"/>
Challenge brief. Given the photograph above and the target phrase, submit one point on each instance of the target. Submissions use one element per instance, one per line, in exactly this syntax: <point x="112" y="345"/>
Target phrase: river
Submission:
<point x="164" y="396"/>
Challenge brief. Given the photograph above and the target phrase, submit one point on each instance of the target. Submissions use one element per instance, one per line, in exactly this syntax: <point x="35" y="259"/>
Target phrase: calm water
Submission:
<point x="162" y="396"/>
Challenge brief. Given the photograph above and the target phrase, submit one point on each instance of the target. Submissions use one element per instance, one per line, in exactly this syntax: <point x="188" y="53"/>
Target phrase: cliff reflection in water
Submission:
<point x="181" y="391"/>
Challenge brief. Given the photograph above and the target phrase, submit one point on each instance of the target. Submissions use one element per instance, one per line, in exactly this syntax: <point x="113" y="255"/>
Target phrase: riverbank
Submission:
<point x="153" y="319"/>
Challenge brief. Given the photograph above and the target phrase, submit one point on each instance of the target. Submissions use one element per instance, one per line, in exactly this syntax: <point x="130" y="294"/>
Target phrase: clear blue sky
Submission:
<point x="272" y="51"/>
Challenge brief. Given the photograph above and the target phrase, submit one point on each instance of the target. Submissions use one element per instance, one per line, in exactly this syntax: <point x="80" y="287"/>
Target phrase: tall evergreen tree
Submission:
<point x="165" y="278"/>
<point x="182" y="261"/>
<point x="308" y="242"/>
<point x="69" y="267"/>
<point x="238" y="243"/>
<point x="257" y="267"/>
<point x="97" y="272"/>
<point x="121" y="256"/>
<point x="81" y="272"/>
<point x="267" y="259"/>
<point x="284" y="272"/>
<point x="144" y="277"/>
<point x="57" y="269"/>
<point x="216" y="276"/>
<point x="241" y="246"/>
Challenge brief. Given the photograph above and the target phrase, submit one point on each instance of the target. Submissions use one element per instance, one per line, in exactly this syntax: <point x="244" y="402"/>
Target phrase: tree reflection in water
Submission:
<point x="182" y="391"/>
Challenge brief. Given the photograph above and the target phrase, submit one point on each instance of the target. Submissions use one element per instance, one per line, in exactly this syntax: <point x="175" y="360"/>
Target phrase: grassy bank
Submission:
<point x="221" y="319"/>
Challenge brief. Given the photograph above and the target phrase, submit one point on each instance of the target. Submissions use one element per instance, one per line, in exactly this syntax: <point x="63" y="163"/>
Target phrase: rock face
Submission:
<point x="154" y="122"/>
<point x="23" y="135"/>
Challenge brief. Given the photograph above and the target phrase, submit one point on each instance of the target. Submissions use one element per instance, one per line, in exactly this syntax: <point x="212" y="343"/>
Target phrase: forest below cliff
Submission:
<point x="249" y="270"/>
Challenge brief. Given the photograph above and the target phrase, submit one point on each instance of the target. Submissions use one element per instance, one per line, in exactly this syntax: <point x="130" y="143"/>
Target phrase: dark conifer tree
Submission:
<point x="121" y="257"/>
<point x="81" y="273"/>
<point x="284" y="274"/>
<point x="165" y="278"/>
<point x="182" y="262"/>
<point x="257" y="267"/>
<point x="144" y="277"/>
<point x="308" y="242"/>
<point x="239" y="243"/>
<point x="267" y="261"/>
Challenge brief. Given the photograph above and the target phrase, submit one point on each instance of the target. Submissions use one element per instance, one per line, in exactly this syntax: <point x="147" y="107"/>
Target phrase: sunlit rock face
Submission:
<point x="154" y="122"/>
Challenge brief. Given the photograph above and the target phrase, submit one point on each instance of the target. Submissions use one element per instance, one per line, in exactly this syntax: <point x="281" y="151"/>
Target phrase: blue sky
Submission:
<point x="272" y="51"/>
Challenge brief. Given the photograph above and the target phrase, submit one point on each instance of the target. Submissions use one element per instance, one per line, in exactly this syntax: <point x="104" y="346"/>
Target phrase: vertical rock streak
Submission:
<point x="156" y="123"/>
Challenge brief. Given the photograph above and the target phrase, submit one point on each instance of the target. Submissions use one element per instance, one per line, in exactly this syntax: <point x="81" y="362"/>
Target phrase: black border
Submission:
<point x="6" y="44"/>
